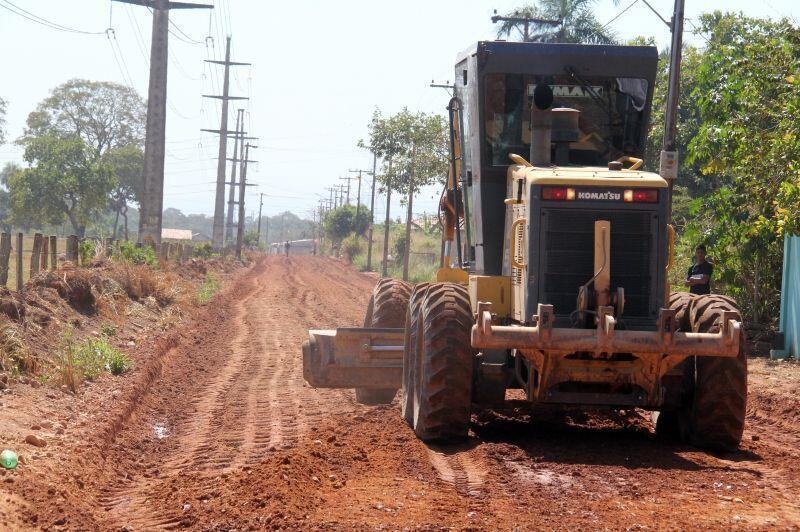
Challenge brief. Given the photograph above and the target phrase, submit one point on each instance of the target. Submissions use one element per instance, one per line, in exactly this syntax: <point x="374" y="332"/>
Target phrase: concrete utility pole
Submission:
<point x="152" y="204"/>
<point x="242" y="186"/>
<point x="232" y="185"/>
<point x="219" y="199"/>
<point x="372" y="211"/>
<point x="668" y="164"/>
<point x="526" y="22"/>
<point x="348" y="179"/>
<point x="260" y="208"/>
<point x="358" y="194"/>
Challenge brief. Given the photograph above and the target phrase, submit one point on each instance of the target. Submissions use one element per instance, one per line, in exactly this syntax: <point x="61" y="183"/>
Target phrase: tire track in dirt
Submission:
<point x="257" y="402"/>
<point x="458" y="468"/>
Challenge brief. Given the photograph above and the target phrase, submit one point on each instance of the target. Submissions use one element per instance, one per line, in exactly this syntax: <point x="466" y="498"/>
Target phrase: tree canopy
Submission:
<point x="341" y="222"/>
<point x="103" y="114"/>
<point x="576" y="23"/>
<point x="64" y="182"/>
<point x="416" y="145"/>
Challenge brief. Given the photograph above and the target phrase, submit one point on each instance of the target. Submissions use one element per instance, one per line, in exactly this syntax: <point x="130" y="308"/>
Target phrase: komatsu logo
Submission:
<point x="571" y="91"/>
<point x="606" y="195"/>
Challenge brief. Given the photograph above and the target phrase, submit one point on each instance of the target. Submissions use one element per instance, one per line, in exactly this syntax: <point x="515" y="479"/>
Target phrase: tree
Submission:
<point x="127" y="164"/>
<point x="104" y="115"/>
<point x="747" y="97"/>
<point x="415" y="150"/>
<point x="341" y="222"/>
<point x="65" y="182"/>
<point x="577" y="23"/>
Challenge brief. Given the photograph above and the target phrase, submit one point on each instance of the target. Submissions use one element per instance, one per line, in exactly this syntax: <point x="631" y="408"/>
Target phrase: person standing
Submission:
<point x="698" y="278"/>
<point x="287" y="246"/>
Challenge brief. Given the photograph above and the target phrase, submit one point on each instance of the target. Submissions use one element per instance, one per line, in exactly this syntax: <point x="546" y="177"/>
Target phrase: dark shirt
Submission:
<point x="701" y="269"/>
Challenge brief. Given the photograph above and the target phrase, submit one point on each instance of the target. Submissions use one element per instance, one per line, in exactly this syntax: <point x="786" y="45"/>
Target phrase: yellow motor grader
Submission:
<point x="555" y="275"/>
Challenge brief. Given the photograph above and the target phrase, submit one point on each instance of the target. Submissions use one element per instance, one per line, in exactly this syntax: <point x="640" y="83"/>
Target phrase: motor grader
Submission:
<point x="555" y="271"/>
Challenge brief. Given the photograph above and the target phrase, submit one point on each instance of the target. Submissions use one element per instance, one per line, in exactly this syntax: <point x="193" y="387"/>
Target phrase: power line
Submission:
<point x="604" y="26"/>
<point x="43" y="21"/>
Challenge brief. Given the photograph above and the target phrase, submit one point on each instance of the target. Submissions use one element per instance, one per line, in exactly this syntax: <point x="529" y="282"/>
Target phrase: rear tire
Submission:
<point x="444" y="366"/>
<point x="717" y="413"/>
<point x="411" y="348"/>
<point x="386" y="310"/>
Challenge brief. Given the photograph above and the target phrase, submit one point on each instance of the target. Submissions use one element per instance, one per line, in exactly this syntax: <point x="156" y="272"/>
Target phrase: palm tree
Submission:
<point x="570" y="21"/>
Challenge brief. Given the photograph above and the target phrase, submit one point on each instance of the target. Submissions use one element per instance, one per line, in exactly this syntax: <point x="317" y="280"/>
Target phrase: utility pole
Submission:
<point x="152" y="204"/>
<point x="260" y="207"/>
<point x="348" y="179"/>
<point x="232" y="185"/>
<point x="219" y="199"/>
<point x="526" y="22"/>
<point x="342" y="190"/>
<point x="332" y="200"/>
<point x="358" y="194"/>
<point x="385" y="268"/>
<point x="372" y="210"/>
<point x="668" y="164"/>
<point x="242" y="186"/>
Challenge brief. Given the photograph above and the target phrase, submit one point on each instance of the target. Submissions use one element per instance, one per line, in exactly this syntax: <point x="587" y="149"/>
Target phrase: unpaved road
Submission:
<point x="224" y="434"/>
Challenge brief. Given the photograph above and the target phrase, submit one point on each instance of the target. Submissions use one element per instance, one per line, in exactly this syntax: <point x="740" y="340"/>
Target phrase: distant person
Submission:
<point x="698" y="278"/>
<point x="287" y="245"/>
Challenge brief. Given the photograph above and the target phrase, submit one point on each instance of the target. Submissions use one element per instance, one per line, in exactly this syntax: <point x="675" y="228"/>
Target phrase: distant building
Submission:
<point x="176" y="234"/>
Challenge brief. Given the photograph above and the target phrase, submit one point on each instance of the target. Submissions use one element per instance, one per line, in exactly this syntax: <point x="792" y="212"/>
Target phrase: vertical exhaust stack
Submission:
<point x="541" y="125"/>
<point x="564" y="130"/>
<point x="541" y="130"/>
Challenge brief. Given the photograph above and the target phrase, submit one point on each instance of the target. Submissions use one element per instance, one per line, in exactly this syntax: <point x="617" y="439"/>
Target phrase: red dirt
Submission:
<point x="220" y="432"/>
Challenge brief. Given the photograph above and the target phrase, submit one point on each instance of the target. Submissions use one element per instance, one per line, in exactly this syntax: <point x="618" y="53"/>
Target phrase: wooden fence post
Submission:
<point x="187" y="252"/>
<point x="179" y="253"/>
<point x="35" y="254"/>
<point x="165" y="250"/>
<point x="5" y="256"/>
<point x="20" y="244"/>
<point x="72" y="249"/>
<point x="53" y="252"/>
<point x="45" y="256"/>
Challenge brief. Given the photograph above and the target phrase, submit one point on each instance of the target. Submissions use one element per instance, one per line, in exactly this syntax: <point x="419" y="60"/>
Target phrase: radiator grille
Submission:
<point x="568" y="257"/>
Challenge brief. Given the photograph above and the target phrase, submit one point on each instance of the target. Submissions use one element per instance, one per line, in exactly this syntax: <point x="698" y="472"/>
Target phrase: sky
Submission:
<point x="319" y="70"/>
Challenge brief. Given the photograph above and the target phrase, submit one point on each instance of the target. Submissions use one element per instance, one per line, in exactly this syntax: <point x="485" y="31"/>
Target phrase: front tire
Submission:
<point x="444" y="365"/>
<point x="386" y="310"/>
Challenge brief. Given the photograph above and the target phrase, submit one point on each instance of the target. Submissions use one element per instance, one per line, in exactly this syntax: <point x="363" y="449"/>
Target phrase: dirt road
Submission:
<point x="223" y="433"/>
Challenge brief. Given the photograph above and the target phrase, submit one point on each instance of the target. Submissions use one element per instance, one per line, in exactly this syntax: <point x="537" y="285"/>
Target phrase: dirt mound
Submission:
<point x="74" y="285"/>
<point x="12" y="304"/>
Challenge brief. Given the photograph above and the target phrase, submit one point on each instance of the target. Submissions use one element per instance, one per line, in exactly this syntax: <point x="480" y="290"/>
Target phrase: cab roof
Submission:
<point x="585" y="176"/>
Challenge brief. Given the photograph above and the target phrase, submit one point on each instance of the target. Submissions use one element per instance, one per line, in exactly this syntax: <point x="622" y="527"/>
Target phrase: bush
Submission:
<point x="87" y="249"/>
<point x="128" y="251"/>
<point x="352" y="246"/>
<point x="207" y="290"/>
<point x="204" y="251"/>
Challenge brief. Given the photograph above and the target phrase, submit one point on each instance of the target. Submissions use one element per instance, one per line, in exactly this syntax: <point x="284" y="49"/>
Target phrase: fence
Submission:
<point x="26" y="256"/>
<point x="790" y="300"/>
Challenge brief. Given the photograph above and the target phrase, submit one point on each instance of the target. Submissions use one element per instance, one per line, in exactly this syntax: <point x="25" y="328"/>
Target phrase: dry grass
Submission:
<point x="14" y="356"/>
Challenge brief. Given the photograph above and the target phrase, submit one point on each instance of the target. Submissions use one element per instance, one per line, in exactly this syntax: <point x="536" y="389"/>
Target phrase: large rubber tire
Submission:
<point x="717" y="412"/>
<point x="669" y="423"/>
<point x="445" y="358"/>
<point x="386" y="309"/>
<point x="411" y="348"/>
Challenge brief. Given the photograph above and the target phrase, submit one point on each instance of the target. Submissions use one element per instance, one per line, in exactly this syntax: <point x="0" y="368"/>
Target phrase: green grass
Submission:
<point x="76" y="362"/>
<point x="207" y="290"/>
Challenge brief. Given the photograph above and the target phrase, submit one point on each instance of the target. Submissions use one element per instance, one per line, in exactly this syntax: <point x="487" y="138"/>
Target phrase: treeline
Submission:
<point x="738" y="190"/>
<point x="84" y="153"/>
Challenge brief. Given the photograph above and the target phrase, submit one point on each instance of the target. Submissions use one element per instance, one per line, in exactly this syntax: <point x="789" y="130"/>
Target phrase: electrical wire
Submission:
<point x="13" y="8"/>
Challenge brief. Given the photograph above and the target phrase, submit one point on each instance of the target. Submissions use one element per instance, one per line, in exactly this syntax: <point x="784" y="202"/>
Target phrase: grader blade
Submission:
<point x="354" y="358"/>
